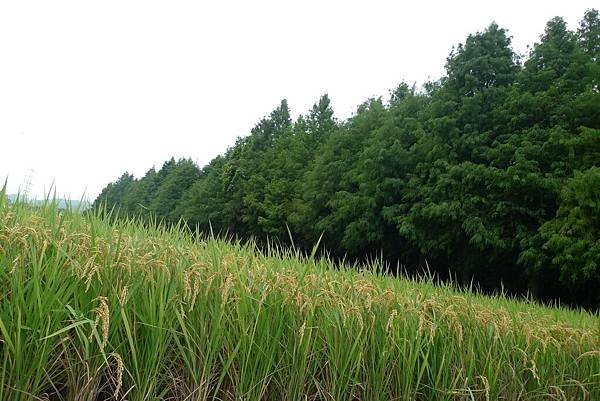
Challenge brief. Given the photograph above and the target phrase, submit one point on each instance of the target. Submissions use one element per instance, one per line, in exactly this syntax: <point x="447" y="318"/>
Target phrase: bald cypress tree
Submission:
<point x="589" y="34"/>
<point x="488" y="173"/>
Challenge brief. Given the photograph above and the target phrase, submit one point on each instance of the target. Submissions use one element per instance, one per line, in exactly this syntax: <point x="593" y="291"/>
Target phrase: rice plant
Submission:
<point x="95" y="308"/>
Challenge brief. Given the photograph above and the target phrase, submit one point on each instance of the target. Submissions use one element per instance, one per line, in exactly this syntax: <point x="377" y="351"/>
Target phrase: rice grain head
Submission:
<point x="103" y="317"/>
<point x="119" y="373"/>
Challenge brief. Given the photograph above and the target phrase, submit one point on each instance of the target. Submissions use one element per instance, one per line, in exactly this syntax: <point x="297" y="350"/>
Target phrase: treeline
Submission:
<point x="490" y="174"/>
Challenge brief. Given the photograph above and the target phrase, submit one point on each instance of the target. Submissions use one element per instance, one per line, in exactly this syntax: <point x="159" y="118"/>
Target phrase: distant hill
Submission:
<point x="62" y="203"/>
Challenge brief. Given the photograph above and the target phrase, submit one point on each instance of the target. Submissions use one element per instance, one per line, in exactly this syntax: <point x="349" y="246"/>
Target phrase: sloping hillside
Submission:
<point x="91" y="310"/>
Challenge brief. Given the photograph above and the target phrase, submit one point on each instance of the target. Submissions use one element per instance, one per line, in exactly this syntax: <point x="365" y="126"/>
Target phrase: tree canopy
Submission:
<point x="490" y="174"/>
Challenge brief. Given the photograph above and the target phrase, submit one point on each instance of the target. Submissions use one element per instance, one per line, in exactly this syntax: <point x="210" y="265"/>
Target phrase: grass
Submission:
<point x="97" y="310"/>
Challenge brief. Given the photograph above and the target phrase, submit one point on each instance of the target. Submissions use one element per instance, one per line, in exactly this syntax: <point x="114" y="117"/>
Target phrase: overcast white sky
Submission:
<point x="90" y="89"/>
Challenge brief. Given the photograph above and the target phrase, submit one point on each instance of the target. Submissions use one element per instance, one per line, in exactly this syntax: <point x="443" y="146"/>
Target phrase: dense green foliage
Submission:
<point x="489" y="174"/>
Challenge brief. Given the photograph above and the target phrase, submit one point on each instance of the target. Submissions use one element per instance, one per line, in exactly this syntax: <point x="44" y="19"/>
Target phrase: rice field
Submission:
<point x="92" y="309"/>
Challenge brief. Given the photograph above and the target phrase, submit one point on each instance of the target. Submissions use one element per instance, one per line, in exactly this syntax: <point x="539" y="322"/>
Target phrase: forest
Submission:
<point x="489" y="176"/>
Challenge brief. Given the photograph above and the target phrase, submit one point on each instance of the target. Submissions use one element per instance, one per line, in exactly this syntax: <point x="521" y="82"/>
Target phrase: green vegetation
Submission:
<point x="94" y="308"/>
<point x="489" y="174"/>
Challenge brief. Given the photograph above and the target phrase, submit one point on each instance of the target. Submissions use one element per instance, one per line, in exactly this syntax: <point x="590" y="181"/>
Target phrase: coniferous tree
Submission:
<point x="489" y="174"/>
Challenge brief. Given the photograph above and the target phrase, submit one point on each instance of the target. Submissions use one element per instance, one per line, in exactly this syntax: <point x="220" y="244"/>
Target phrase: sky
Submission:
<point x="91" y="89"/>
